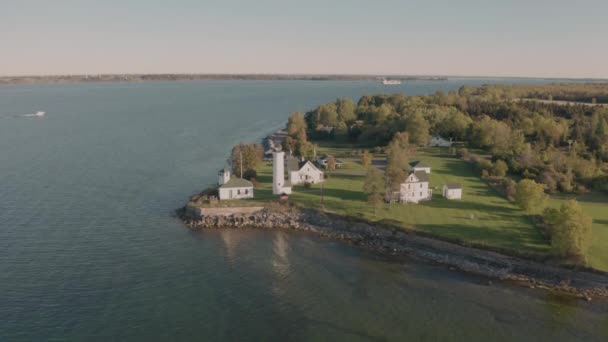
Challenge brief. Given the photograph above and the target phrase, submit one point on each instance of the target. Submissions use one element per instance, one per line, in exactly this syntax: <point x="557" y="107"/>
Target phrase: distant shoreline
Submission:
<point x="205" y="77"/>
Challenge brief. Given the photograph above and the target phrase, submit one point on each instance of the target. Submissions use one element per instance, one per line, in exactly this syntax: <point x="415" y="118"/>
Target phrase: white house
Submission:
<point x="421" y="166"/>
<point x="233" y="188"/>
<point x="303" y="172"/>
<point x="452" y="191"/>
<point x="439" y="141"/>
<point x="279" y="185"/>
<point x="415" y="188"/>
<point x="322" y="161"/>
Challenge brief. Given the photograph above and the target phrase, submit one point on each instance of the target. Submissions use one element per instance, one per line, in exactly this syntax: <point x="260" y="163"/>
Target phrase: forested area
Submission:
<point x="564" y="147"/>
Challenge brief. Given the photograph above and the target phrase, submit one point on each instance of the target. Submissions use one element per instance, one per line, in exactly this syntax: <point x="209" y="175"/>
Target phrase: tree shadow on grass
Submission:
<point x="527" y="240"/>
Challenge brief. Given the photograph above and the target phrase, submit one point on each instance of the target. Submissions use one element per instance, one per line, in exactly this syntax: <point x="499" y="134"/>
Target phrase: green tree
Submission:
<point x="328" y="115"/>
<point x="366" y="159"/>
<point x="530" y="196"/>
<point x="571" y="230"/>
<point x="296" y="126"/>
<point x="500" y="168"/>
<point x="346" y="110"/>
<point x="251" y="156"/>
<point x="397" y="160"/>
<point x="418" y="129"/>
<point x="374" y="188"/>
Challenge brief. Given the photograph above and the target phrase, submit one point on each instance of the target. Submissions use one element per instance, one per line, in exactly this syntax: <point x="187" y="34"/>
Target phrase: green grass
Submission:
<point x="482" y="217"/>
<point x="596" y="205"/>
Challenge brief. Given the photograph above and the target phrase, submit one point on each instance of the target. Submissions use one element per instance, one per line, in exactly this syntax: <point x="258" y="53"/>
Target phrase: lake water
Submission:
<point x="89" y="249"/>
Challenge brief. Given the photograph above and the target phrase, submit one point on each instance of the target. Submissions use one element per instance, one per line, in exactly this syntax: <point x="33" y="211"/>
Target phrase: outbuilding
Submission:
<point x="452" y="191"/>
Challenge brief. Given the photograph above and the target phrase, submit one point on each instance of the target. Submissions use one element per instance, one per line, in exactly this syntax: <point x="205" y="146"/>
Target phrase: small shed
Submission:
<point x="452" y="191"/>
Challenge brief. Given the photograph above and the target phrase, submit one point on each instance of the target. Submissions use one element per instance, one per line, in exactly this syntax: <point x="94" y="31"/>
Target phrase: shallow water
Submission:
<point x="89" y="249"/>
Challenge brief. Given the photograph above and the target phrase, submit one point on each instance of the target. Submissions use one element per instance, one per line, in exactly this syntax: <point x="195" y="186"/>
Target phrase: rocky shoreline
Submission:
<point x="583" y="284"/>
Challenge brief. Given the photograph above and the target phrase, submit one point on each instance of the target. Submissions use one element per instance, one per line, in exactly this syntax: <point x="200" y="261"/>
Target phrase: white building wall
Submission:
<point x="425" y="169"/>
<point x="452" y="193"/>
<point x="278" y="174"/>
<point x="235" y="193"/>
<point x="438" y="141"/>
<point x="415" y="192"/>
<point x="306" y="174"/>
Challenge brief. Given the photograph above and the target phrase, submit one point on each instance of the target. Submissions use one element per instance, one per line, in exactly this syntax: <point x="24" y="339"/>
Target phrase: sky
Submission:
<point x="532" y="38"/>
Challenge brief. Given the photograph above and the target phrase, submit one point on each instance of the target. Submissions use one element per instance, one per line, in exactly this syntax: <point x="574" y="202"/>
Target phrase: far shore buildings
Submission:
<point x="233" y="187"/>
<point x="452" y="191"/>
<point x="303" y="171"/>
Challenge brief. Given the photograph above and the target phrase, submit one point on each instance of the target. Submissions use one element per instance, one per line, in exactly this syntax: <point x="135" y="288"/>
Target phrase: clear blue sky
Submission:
<point x="468" y="37"/>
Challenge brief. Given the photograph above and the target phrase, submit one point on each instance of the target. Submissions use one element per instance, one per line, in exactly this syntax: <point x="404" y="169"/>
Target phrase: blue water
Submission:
<point x="89" y="249"/>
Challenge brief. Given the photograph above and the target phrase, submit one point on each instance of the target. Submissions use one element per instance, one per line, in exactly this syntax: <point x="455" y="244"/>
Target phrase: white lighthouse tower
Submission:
<point x="279" y="185"/>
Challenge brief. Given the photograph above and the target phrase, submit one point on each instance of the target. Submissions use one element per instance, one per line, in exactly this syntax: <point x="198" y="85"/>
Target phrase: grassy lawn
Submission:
<point x="482" y="217"/>
<point x="595" y="205"/>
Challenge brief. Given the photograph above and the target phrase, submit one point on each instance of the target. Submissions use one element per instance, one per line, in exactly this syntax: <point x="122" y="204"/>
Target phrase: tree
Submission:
<point x="374" y="188"/>
<point x="296" y="126"/>
<point x="418" y="129"/>
<point x="328" y="115"/>
<point x="346" y="110"/>
<point x="530" y="196"/>
<point x="251" y="156"/>
<point x="397" y="160"/>
<point x="571" y="230"/>
<point x="331" y="164"/>
<point x="500" y="168"/>
<point x="366" y="159"/>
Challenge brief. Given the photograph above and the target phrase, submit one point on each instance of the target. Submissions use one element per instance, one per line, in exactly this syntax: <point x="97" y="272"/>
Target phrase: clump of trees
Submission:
<point x="564" y="147"/>
<point x="246" y="158"/>
<point x="570" y="229"/>
<point x="297" y="140"/>
<point x="397" y="160"/>
<point x="530" y="196"/>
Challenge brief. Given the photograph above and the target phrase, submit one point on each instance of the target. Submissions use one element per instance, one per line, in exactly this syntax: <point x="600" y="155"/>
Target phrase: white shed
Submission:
<point x="439" y="141"/>
<point x="452" y="191"/>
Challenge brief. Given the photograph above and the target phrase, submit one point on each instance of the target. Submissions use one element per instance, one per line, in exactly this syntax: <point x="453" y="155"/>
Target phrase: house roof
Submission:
<point x="421" y="175"/>
<point x="223" y="171"/>
<point x="419" y="164"/>
<point x="453" y="186"/>
<point x="237" y="183"/>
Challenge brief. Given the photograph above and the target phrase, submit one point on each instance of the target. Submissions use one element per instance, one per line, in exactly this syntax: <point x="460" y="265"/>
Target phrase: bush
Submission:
<point x="571" y="230"/>
<point x="307" y="185"/>
<point x="250" y="174"/>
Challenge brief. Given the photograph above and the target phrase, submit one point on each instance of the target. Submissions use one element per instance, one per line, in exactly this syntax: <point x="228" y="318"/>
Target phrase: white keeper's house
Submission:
<point x="303" y="171"/>
<point x="416" y="188"/>
<point x="233" y="187"/>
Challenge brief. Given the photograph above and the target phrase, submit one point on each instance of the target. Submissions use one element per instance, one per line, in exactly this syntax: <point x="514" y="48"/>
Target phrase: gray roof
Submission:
<point x="237" y="183"/>
<point x="419" y="164"/>
<point x="421" y="175"/>
<point x="452" y="186"/>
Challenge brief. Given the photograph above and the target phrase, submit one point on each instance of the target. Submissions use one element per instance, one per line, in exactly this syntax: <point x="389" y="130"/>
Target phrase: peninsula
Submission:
<point x="472" y="179"/>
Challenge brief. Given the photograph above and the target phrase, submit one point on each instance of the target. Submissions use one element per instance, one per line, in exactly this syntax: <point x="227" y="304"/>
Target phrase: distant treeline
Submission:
<point x="574" y="92"/>
<point x="197" y="77"/>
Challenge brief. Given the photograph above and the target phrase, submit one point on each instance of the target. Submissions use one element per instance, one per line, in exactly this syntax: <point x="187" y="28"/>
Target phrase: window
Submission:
<point x="246" y="191"/>
<point x="420" y="193"/>
<point x="238" y="192"/>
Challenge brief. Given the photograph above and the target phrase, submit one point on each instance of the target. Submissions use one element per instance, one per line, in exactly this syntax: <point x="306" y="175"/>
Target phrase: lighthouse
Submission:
<point x="279" y="185"/>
